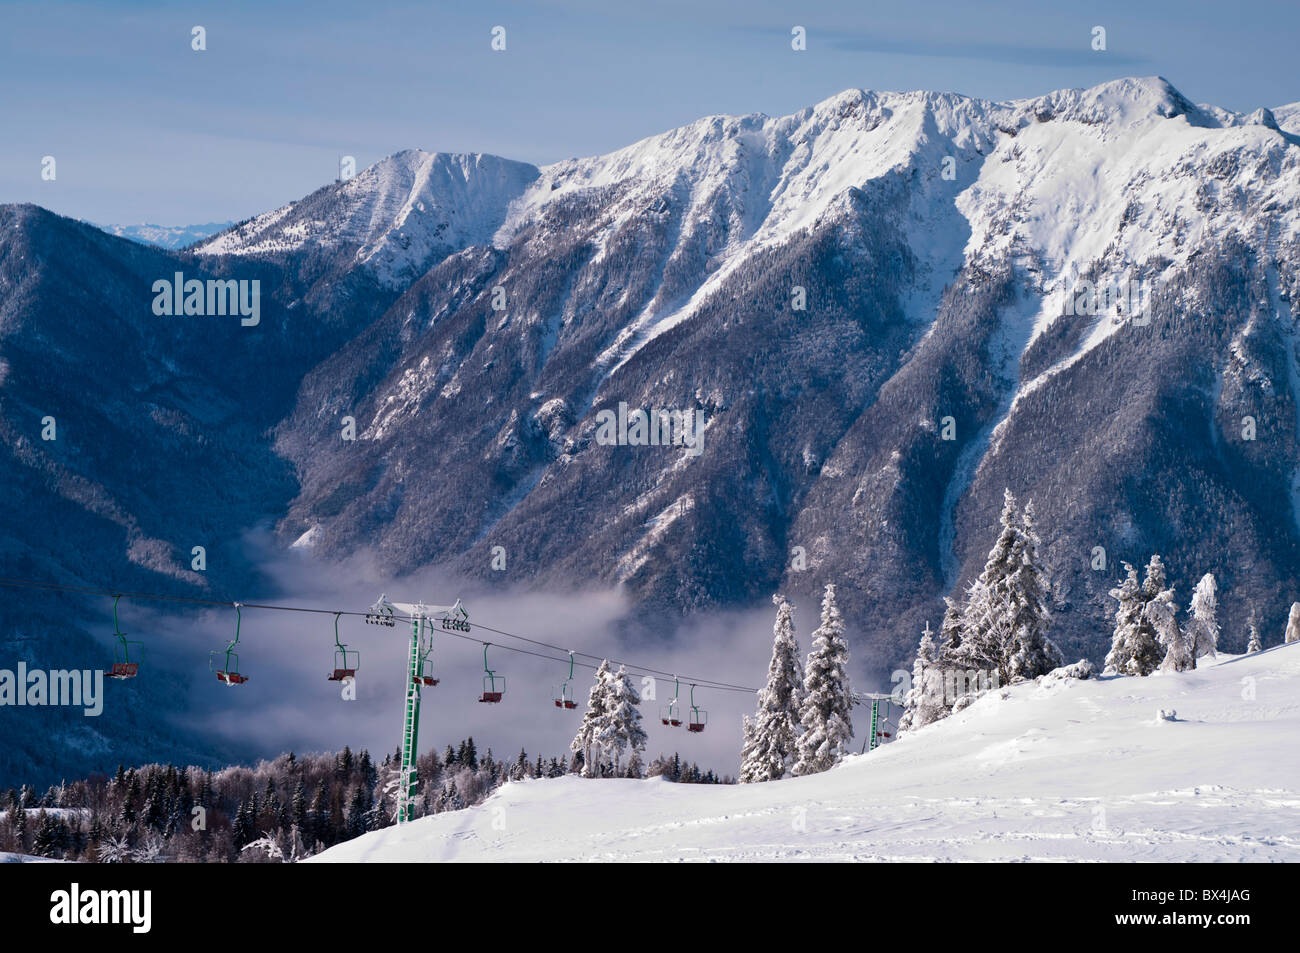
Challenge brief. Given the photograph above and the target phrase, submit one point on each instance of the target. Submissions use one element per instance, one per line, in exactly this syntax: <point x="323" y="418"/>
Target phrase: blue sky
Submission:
<point x="144" y="129"/>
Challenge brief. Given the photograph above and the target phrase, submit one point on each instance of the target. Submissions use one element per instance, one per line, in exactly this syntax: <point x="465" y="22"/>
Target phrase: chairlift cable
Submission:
<point x="632" y="667"/>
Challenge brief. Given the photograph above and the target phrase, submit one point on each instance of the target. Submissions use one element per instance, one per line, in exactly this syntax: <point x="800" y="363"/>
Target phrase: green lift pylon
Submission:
<point x="877" y="723"/>
<point x="420" y="615"/>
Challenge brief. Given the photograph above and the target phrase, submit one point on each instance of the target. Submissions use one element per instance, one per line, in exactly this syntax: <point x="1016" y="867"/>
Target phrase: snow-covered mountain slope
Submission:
<point x="1099" y="177"/>
<point x="398" y="217"/>
<point x="935" y="237"/>
<point x="1288" y="117"/>
<point x="1048" y="770"/>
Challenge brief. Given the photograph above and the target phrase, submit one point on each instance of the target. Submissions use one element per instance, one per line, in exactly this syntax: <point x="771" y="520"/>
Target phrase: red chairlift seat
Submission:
<point x="342" y="673"/>
<point x="671" y="714"/>
<point x="492" y="692"/>
<point x="231" y="678"/>
<point x="697" y="719"/>
<point x="427" y="680"/>
<point x="563" y="699"/>
<point x="123" y="667"/>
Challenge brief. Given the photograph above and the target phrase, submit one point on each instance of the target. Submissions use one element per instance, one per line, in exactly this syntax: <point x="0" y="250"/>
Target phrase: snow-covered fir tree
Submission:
<point x="593" y="721"/>
<point x="924" y="702"/>
<point x="1180" y="649"/>
<point x="1134" y="649"/>
<point x="950" y="628"/>
<point x="748" y="762"/>
<point x="1031" y="653"/>
<point x="1005" y="622"/>
<point x="1161" y="613"/>
<point x="775" y="728"/>
<point x="941" y="677"/>
<point x="1203" y="626"/>
<point x="985" y="630"/>
<point x="620" y="729"/>
<point x="1293" y="624"/>
<point x="988" y="612"/>
<point x="825" y="710"/>
<point x="1252" y="629"/>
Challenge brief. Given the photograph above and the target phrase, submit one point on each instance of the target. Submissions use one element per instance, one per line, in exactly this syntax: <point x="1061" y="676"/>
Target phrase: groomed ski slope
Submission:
<point x="1048" y="771"/>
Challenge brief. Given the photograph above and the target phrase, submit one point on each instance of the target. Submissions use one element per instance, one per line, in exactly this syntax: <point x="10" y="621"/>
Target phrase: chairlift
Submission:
<point x="425" y="677"/>
<point x="425" y="674"/>
<point x="699" y="717"/>
<point x="229" y="674"/>
<point x="494" y="685"/>
<point x="671" y="714"/>
<point x="346" y="661"/>
<point x="562" y="697"/>
<point x="123" y="667"/>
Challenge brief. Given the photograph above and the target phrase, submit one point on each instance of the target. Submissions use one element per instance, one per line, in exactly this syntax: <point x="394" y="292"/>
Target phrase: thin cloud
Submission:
<point x="1080" y="55"/>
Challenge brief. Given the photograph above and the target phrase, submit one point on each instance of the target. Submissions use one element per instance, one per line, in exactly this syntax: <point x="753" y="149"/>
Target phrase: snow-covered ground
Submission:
<point x="9" y="857"/>
<point x="1044" y="771"/>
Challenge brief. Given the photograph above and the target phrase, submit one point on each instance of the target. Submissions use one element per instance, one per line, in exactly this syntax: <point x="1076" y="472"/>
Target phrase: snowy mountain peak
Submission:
<point x="399" y="215"/>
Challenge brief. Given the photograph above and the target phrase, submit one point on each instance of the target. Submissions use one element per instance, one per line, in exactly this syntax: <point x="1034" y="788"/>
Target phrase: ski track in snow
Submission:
<point x="1041" y="772"/>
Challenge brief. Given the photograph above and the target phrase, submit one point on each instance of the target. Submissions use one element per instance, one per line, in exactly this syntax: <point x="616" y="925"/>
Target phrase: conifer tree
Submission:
<point x="924" y="702"/>
<point x="1253" y="644"/>
<point x="776" y="725"/>
<point x="298" y="807"/>
<point x="620" y="728"/>
<point x="827" y="697"/>
<point x="1134" y="649"/>
<point x="747" y="748"/>
<point x="1005" y="622"/>
<point x="1030" y="653"/>
<point x="593" y="722"/>
<point x="1179" y="644"/>
<point x="1292" y="625"/>
<point x="1203" y="626"/>
<point x="986" y="618"/>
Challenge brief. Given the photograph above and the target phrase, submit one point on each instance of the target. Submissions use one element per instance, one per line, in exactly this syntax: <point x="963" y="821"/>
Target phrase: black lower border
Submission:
<point x="1221" y="902"/>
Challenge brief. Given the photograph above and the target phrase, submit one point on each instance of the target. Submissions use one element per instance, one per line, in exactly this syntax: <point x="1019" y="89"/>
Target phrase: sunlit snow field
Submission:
<point x="1046" y="771"/>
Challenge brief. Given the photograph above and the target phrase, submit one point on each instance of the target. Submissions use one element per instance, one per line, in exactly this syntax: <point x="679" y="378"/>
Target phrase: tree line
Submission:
<point x="286" y="809"/>
<point x="998" y="635"/>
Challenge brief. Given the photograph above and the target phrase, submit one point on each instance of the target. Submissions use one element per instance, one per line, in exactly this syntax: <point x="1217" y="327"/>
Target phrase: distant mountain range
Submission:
<point x="166" y="236"/>
<point x="887" y="307"/>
